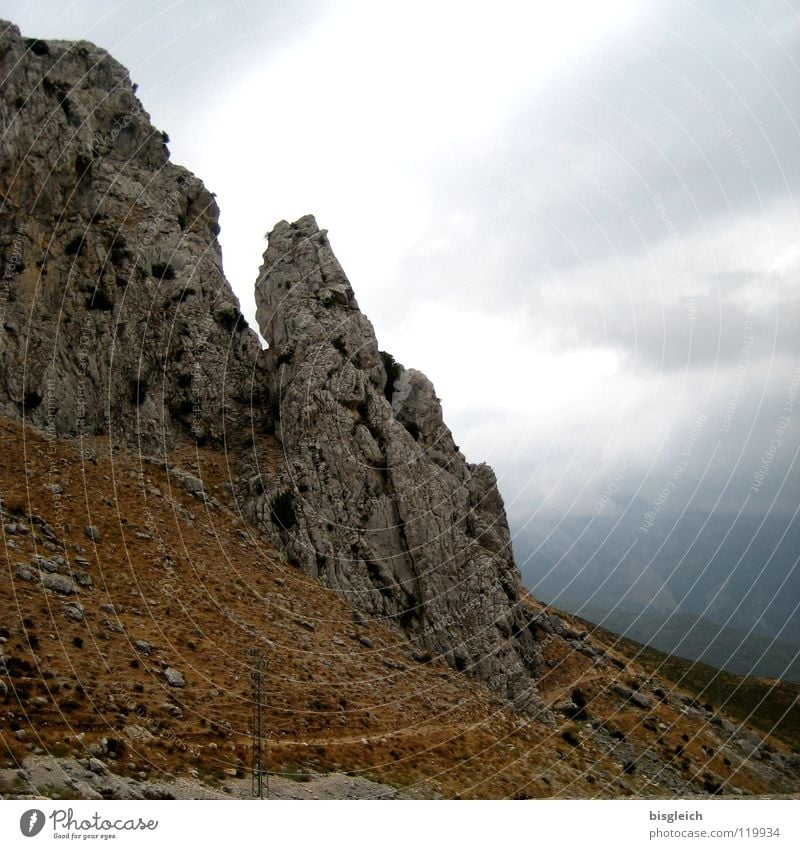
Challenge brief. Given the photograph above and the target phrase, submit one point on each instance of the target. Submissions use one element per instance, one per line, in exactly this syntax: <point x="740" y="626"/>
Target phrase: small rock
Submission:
<point x="230" y="772"/>
<point x="137" y="732"/>
<point x="3" y="689"/>
<point x="43" y="563"/>
<point x="142" y="646"/>
<point x="172" y="709"/>
<point x="24" y="573"/>
<point x="193" y="485"/>
<point x="21" y="734"/>
<point x="632" y="696"/>
<point x="84" y="579"/>
<point x="174" y="678"/>
<point x="108" y="608"/>
<point x="97" y="766"/>
<point x="365" y="641"/>
<point x="74" y="611"/>
<point x="81" y="561"/>
<point x="92" y="532"/>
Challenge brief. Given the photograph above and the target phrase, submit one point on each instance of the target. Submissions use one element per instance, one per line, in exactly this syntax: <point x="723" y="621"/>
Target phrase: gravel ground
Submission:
<point x="44" y="776"/>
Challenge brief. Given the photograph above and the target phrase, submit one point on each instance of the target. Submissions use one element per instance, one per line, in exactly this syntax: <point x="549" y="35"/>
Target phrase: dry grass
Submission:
<point x="202" y="587"/>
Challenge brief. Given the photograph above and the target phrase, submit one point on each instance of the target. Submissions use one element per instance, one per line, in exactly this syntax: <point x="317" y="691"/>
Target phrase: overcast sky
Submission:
<point x="578" y="218"/>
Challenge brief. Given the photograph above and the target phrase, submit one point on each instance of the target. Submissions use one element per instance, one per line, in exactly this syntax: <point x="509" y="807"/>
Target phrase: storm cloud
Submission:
<point x="580" y="223"/>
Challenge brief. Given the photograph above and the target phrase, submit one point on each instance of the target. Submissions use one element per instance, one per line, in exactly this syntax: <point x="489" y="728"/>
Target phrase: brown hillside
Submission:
<point x="186" y="575"/>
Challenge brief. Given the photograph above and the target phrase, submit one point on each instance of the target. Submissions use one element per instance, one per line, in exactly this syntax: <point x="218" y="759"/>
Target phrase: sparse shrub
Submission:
<point x="579" y="712"/>
<point x="31" y="400"/>
<point x="393" y="372"/>
<point x="119" y="251"/>
<point x="285" y="357"/>
<point x="282" y="510"/>
<point x="99" y="300"/>
<point x="163" y="270"/>
<point x="74" y="246"/>
<point x="413" y="429"/>
<point x="37" y="47"/>
<point x="230" y="318"/>
<point x="138" y="391"/>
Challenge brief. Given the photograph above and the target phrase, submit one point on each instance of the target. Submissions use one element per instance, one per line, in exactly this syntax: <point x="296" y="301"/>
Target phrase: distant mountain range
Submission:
<point x="710" y="587"/>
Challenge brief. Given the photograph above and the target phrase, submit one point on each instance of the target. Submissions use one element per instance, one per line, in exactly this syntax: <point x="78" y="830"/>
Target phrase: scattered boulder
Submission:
<point x="44" y="564"/>
<point x="192" y="484"/>
<point x="83" y="578"/>
<point x="74" y="611"/>
<point x="632" y="696"/>
<point x="138" y="733"/>
<point x="96" y="766"/>
<point x="60" y="584"/>
<point x="174" y="678"/>
<point x="93" y="532"/>
<point x="24" y="573"/>
<point x="142" y="646"/>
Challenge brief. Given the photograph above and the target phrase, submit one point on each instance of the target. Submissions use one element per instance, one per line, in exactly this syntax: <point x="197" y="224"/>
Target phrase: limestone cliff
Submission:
<point x="114" y="311"/>
<point x="376" y="500"/>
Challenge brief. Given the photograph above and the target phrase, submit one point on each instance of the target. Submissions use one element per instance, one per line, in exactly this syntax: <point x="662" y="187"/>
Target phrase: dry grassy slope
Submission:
<point x="201" y="587"/>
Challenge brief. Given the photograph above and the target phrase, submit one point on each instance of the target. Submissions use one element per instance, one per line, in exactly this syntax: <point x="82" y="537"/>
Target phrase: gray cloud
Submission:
<point x="637" y="202"/>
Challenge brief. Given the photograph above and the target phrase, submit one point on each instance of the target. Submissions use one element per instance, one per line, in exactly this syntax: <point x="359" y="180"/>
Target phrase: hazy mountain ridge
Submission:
<point x="731" y="576"/>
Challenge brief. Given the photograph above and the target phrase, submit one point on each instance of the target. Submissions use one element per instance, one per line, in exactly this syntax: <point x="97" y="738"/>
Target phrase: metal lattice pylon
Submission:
<point x="258" y="729"/>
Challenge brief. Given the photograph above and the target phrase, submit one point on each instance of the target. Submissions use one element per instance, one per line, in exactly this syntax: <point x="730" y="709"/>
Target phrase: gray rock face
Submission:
<point x="109" y="262"/>
<point x="376" y="500"/>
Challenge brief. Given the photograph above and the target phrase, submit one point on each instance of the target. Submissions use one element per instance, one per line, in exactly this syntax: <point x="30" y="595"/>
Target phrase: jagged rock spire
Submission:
<point x="384" y="507"/>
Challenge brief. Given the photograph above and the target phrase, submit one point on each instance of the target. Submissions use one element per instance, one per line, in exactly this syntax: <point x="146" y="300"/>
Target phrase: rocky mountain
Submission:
<point x="173" y="496"/>
<point x="117" y="319"/>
